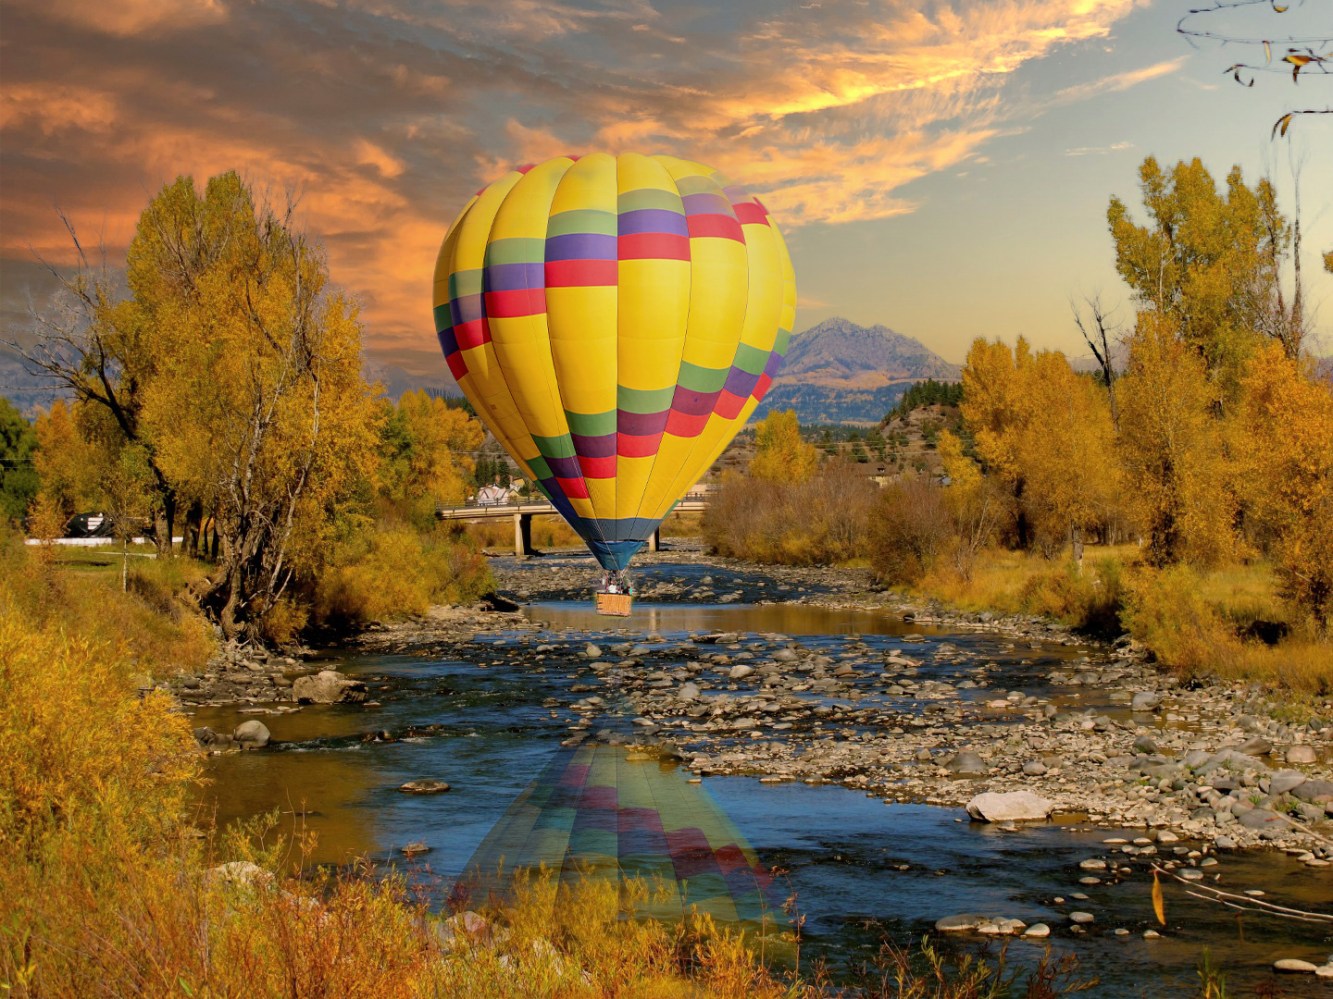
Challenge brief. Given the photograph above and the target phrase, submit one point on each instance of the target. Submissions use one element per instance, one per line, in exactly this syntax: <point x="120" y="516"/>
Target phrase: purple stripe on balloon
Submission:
<point x="602" y="446"/>
<point x="707" y="203"/>
<point x="692" y="403"/>
<point x="653" y="220"/>
<point x="565" y="468"/>
<point x="448" y="342"/>
<point x="515" y="277"/>
<point x="581" y="246"/>
<point x="640" y="424"/>
<point x="466" y="309"/>
<point x="774" y="364"/>
<point x="740" y="382"/>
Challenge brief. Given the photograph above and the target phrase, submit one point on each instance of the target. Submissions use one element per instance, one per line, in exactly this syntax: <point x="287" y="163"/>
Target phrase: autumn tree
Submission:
<point x="1046" y="433"/>
<point x="426" y="451"/>
<point x="1210" y="264"/>
<point x="1288" y="464"/>
<point x="18" y="476"/>
<point x="256" y="405"/>
<point x="1174" y="449"/>
<point x="781" y="455"/>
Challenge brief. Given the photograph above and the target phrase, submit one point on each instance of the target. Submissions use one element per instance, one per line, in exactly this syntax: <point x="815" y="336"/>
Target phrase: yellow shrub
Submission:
<point x="1166" y="612"/>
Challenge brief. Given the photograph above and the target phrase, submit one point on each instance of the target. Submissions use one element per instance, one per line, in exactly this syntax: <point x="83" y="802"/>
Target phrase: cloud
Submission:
<point x="1118" y="81"/>
<point x="386" y="115"/>
<point x="1114" y="147"/>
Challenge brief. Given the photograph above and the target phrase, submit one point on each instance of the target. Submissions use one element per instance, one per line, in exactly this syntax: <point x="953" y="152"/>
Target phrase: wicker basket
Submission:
<point x="614" y="604"/>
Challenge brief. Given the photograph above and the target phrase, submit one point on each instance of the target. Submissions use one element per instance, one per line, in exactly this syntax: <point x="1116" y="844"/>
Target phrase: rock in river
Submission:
<point x="424" y="787"/>
<point x="1013" y="806"/>
<point x="967" y="763"/>
<point x="251" y="734"/>
<point x="328" y="687"/>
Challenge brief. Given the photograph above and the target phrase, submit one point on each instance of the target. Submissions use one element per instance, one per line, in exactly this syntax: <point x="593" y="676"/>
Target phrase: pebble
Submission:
<point x="1082" y="918"/>
<point x="1294" y="965"/>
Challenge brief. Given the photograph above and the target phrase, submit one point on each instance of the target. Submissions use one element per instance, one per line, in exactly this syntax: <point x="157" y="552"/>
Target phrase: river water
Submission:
<point x="489" y="717"/>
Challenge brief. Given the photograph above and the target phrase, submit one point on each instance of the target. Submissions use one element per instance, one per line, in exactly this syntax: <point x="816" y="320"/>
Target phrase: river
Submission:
<point x="489" y="715"/>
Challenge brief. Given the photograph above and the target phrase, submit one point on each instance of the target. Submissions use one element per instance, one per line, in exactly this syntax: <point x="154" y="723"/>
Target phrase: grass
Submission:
<point x="1197" y="622"/>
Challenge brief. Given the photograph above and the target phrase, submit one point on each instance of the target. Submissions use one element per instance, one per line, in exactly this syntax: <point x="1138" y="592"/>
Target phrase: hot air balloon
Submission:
<point x="614" y="320"/>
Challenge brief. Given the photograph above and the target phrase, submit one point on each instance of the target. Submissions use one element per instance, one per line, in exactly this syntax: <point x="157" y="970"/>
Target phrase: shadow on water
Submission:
<point x="490" y="718"/>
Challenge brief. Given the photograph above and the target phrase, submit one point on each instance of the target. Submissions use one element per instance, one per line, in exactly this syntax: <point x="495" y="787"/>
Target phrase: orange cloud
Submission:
<point x="384" y="116"/>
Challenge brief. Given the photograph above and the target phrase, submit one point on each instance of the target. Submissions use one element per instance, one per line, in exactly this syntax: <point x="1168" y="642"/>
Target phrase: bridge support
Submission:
<point x="655" y="540"/>
<point x="523" y="534"/>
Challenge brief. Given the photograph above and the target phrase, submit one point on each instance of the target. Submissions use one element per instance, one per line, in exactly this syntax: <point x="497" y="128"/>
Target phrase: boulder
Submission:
<point x="1011" y="806"/>
<point x="1284" y="781"/>
<point x="1301" y="754"/>
<point x="967" y="763"/>
<point x="329" y="687"/>
<point x="252" y="734"/>
<point x="1294" y="965"/>
<point x="740" y="672"/>
<point x="1313" y="791"/>
<point x="965" y="922"/>
<point x="1145" y="700"/>
<point x="688" y="691"/>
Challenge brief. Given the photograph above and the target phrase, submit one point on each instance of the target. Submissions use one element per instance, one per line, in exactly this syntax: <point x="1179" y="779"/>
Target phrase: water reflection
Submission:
<point x="617" y="814"/>
<point x="786" y="619"/>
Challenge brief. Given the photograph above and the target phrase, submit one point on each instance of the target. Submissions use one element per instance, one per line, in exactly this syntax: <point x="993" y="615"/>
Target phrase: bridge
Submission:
<point x="523" y="511"/>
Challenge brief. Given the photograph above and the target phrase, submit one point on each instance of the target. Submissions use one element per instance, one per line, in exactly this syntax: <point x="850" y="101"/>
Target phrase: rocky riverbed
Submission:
<point x="1094" y="730"/>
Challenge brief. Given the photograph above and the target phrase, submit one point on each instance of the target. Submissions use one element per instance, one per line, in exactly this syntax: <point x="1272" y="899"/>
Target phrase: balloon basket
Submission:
<point x="613" y="604"/>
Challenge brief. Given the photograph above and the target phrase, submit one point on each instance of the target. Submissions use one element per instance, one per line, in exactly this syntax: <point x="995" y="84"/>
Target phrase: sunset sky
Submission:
<point x="941" y="167"/>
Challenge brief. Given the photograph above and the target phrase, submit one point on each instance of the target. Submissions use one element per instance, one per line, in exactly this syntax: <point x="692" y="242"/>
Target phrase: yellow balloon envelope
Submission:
<point x="614" y="320"/>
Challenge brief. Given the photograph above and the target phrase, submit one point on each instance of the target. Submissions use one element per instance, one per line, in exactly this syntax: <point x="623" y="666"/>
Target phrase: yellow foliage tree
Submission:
<point x="1288" y="465"/>
<point x="781" y="455"/>
<point x="427" y="447"/>
<point x="1173" y="449"/>
<point x="1046" y="433"/>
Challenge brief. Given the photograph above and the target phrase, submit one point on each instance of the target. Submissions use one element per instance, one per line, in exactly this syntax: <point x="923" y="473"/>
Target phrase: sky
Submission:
<point x="941" y="167"/>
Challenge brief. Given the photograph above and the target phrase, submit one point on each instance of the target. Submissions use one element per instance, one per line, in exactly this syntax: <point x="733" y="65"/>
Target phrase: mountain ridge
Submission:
<point x="840" y="372"/>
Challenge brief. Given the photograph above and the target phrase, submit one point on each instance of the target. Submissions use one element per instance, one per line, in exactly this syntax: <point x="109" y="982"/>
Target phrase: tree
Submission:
<point x="781" y="455"/>
<point x="1173" y="448"/>
<point x="18" y="476"/>
<point x="254" y="403"/>
<point x="1046" y="433"/>
<point x="426" y="447"/>
<point x="1288" y="417"/>
<point x="1210" y="264"/>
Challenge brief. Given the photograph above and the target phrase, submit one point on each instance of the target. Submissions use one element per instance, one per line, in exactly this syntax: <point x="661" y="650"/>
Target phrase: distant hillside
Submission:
<point x="838" y="372"/>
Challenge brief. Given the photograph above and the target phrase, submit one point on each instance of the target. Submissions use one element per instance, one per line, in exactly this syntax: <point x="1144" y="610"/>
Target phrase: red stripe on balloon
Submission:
<point x="598" y="468"/>
<point x="581" y="273"/>
<point x="632" y="446"/>
<point x="729" y="404"/>
<point x="761" y="386"/>
<point x="722" y="226"/>
<point x="573" y="488"/>
<point x="457" y="366"/>
<point x="653" y="246"/>
<point x="472" y="333"/>
<point x="512" y="304"/>
<point x="684" y="424"/>
<point x="751" y="213"/>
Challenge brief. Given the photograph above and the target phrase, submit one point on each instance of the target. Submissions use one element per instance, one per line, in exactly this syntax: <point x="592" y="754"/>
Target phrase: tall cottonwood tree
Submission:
<point x="1211" y="263"/>
<point x="232" y="368"/>
<point x="257" y="406"/>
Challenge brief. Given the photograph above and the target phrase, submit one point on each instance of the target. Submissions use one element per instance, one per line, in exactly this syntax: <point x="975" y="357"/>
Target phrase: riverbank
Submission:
<point x="1103" y="735"/>
<point x="1117" y="741"/>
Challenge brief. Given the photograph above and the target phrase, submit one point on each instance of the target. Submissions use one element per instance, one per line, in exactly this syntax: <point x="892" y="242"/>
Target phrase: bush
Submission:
<point x="910" y="530"/>
<point x="396" y="573"/>
<point x="1086" y="597"/>
<point x="1166" y="611"/>
<point x="821" y="521"/>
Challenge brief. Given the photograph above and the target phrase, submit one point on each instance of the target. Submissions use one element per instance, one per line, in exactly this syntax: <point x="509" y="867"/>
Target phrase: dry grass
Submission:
<point x="1199" y="622"/>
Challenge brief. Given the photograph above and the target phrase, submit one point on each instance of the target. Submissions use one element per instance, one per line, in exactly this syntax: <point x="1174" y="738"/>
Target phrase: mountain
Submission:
<point x="839" y="372"/>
